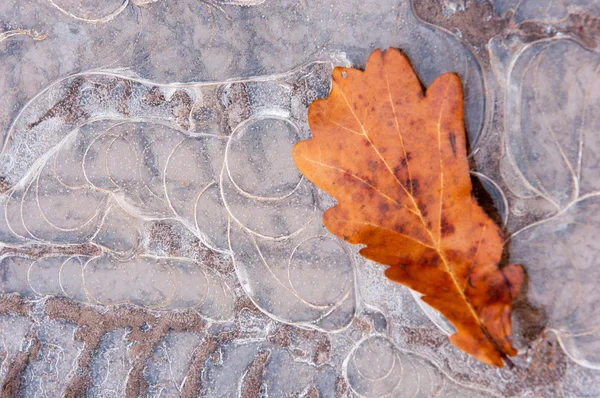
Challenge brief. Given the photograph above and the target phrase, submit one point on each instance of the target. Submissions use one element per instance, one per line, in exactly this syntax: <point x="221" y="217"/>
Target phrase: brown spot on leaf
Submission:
<point x="447" y="227"/>
<point x="422" y="208"/>
<point x="373" y="165"/>
<point x="383" y="207"/>
<point x="452" y="138"/>
<point x="414" y="185"/>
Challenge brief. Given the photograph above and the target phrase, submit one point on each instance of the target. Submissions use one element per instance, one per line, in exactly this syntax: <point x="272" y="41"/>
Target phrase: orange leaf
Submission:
<point x="394" y="157"/>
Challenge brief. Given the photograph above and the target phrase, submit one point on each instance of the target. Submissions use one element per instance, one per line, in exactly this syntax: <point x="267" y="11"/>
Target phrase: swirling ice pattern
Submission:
<point x="376" y="368"/>
<point x="552" y="148"/>
<point x="103" y="12"/>
<point x="103" y="158"/>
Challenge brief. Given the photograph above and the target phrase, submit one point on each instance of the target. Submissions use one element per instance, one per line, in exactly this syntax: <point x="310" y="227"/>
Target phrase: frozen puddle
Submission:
<point x="185" y="197"/>
<point x="157" y="240"/>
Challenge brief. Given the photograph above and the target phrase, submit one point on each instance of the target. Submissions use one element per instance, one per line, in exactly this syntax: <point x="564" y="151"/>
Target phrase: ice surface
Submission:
<point x="157" y="240"/>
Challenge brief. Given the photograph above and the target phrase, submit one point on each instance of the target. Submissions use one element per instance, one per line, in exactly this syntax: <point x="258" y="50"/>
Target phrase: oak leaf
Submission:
<point x="394" y="157"/>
